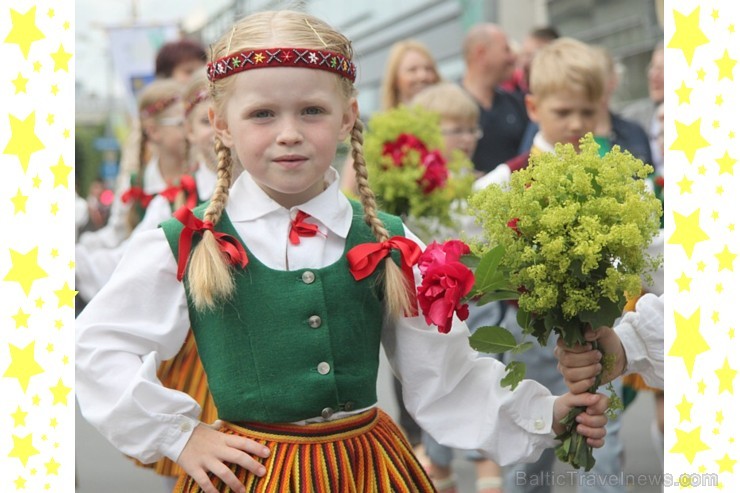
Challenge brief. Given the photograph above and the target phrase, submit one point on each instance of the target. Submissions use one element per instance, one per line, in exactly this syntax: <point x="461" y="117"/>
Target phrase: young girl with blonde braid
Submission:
<point x="290" y="288"/>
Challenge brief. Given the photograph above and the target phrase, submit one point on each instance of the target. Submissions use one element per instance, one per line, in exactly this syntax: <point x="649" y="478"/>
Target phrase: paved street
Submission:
<point x="101" y="468"/>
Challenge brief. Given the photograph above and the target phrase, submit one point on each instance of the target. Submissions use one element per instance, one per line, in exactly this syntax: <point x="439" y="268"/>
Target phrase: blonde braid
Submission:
<point x="396" y="285"/>
<point x="133" y="218"/>
<point x="209" y="274"/>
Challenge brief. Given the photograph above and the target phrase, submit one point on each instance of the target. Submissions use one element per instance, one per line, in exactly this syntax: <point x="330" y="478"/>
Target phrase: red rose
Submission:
<point x="448" y="252"/>
<point x="435" y="174"/>
<point x="442" y="288"/>
<point x="398" y="149"/>
<point x="513" y="224"/>
<point x="660" y="182"/>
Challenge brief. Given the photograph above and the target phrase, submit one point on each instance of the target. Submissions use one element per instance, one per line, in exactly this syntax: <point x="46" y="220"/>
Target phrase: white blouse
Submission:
<point x="140" y="318"/>
<point x="642" y="335"/>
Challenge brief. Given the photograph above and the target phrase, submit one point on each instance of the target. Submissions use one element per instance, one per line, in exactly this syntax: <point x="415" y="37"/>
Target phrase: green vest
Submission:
<point x="291" y="345"/>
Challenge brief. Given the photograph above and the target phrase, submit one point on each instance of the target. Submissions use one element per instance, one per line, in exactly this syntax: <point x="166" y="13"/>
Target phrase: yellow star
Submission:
<point x="25" y="269"/>
<point x="719" y="417"/>
<point x="37" y="181"/>
<point x="19" y="202"/>
<point x="61" y="59"/>
<point x="715" y="317"/>
<point x="731" y="227"/>
<point x="715" y="123"/>
<point x="65" y="360"/>
<point x="688" y="36"/>
<point x="731" y="135"/>
<point x="715" y="215"/>
<point x="20" y="483"/>
<point x="60" y="393"/>
<point x="21" y="319"/>
<point x="58" y="323"/>
<point x="718" y="100"/>
<point x="726" y="164"/>
<point x="689" y="139"/>
<point x="719" y="288"/>
<point x="23" y="448"/>
<point x="701" y="387"/>
<point x="54" y="253"/>
<point x="53" y="423"/>
<point x="71" y="264"/>
<point x="50" y="348"/>
<point x="39" y="302"/>
<point x="700" y="266"/>
<point x="689" y="342"/>
<point x="23" y="141"/>
<point x="720" y="190"/>
<point x="701" y="169"/>
<point x="731" y="333"/>
<point x="33" y="471"/>
<point x="685" y="185"/>
<point x="66" y="133"/>
<point x="52" y="467"/>
<point x="20" y="84"/>
<point x="23" y="366"/>
<point x="700" y="74"/>
<point x="19" y="417"/>
<point x="684" y="410"/>
<point x="726" y="375"/>
<point x="37" y="66"/>
<point x="731" y="28"/>
<point x="684" y="283"/>
<point x="61" y="173"/>
<point x="24" y="32"/>
<point x="715" y="431"/>
<point x="689" y="444"/>
<point x="36" y="400"/>
<point x="65" y="25"/>
<point x="726" y="464"/>
<point x="726" y="258"/>
<point x="725" y="65"/>
<point x="66" y="296"/>
<point x="54" y="209"/>
<point x="50" y="119"/>
<point x="684" y="93"/>
<point x="55" y="89"/>
<point x="715" y="14"/>
<point x="50" y="13"/>
<point x="688" y="232"/>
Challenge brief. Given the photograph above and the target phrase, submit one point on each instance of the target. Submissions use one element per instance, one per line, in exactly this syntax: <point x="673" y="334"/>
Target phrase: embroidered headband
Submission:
<point x="200" y="96"/>
<point x="282" y="57"/>
<point x="157" y="106"/>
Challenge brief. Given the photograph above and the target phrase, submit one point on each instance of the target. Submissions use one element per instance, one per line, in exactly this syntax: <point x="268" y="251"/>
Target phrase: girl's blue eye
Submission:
<point x="261" y="114"/>
<point x="313" y="110"/>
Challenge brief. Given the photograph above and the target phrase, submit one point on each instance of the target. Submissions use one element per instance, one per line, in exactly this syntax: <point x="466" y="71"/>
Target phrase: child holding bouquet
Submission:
<point x="290" y="289"/>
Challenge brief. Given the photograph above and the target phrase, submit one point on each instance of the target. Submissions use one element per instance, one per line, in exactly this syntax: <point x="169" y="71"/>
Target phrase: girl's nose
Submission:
<point x="289" y="134"/>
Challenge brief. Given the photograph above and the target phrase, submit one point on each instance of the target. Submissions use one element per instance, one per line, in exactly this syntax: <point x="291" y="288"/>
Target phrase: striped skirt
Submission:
<point x="185" y="372"/>
<point x="366" y="453"/>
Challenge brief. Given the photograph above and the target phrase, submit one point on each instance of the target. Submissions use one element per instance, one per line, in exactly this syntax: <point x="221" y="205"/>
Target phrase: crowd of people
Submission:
<point x="197" y="268"/>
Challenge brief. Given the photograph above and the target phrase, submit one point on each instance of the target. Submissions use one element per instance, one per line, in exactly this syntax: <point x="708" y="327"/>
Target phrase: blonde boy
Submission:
<point x="566" y="83"/>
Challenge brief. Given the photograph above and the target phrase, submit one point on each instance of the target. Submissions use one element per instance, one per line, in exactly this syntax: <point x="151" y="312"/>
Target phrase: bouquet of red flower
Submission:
<point x="567" y="240"/>
<point x="407" y="171"/>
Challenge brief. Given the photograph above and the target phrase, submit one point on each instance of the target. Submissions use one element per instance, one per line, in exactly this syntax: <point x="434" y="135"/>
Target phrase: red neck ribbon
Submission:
<point x="298" y="228"/>
<point x="136" y="194"/>
<point x="364" y="259"/>
<point x="188" y="187"/>
<point x="229" y="246"/>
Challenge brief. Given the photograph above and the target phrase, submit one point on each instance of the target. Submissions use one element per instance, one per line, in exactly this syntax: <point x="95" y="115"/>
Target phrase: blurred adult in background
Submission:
<point x="179" y="59"/>
<point x="644" y="111"/>
<point x="518" y="83"/>
<point x="410" y="68"/>
<point x="488" y="62"/>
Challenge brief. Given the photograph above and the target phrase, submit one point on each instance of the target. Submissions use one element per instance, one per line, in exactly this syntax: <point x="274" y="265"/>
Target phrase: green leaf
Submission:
<point x="492" y="340"/>
<point x="520" y="348"/>
<point x="498" y="296"/>
<point x="524" y="319"/>
<point x="607" y="313"/>
<point x="471" y="261"/>
<point x="487" y="272"/>
<point x="515" y="374"/>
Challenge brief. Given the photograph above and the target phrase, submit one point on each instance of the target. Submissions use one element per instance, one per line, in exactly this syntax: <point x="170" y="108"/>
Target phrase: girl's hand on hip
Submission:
<point x="208" y="450"/>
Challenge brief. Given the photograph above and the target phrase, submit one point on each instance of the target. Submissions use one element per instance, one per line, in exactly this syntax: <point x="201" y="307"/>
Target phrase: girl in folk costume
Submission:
<point x="290" y="289"/>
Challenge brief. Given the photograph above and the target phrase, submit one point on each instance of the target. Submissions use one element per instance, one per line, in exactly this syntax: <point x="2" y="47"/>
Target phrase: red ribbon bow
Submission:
<point x="137" y="195"/>
<point x="230" y="246"/>
<point x="300" y="228"/>
<point x="188" y="187"/>
<point x="364" y="259"/>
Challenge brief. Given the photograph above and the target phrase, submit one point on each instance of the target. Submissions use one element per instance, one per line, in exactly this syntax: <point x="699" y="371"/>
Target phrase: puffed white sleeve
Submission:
<point x="642" y="335"/>
<point x="137" y="320"/>
<point x="457" y="397"/>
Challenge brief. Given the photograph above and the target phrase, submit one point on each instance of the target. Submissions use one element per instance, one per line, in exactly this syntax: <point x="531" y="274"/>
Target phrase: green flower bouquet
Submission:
<point x="567" y="239"/>
<point x="408" y="173"/>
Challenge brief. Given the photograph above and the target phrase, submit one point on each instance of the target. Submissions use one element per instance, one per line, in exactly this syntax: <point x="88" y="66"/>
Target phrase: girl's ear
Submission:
<point x="220" y="127"/>
<point x="350" y="115"/>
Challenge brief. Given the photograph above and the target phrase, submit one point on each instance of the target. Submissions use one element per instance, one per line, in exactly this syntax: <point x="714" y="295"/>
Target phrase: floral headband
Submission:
<point x="200" y="96"/>
<point x="282" y="57"/>
<point x="157" y="106"/>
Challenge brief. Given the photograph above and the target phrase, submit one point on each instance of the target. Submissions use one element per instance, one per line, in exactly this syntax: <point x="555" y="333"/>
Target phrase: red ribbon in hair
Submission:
<point x="298" y="228"/>
<point x="230" y="246"/>
<point x="188" y="187"/>
<point x="364" y="259"/>
<point x="136" y="194"/>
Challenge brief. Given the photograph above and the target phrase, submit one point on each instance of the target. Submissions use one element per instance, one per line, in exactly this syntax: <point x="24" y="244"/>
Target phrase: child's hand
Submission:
<point x="580" y="364"/>
<point x="208" y="449"/>
<point x="591" y="422"/>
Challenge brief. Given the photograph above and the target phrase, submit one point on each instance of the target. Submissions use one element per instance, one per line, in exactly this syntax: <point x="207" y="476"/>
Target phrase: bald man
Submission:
<point x="503" y="118"/>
